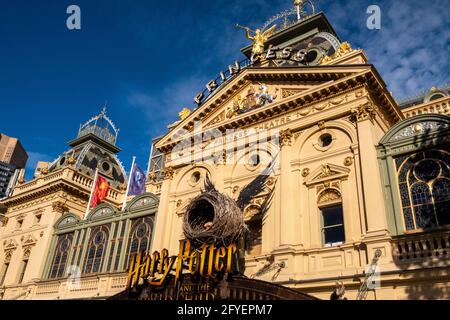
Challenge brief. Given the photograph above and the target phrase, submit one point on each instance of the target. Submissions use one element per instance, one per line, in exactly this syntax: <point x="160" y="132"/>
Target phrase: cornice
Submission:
<point x="367" y="78"/>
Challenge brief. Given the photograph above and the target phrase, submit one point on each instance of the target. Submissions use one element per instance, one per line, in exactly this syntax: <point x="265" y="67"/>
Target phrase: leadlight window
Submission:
<point x="424" y="186"/>
<point x="140" y="236"/>
<point x="119" y="247"/>
<point x="96" y="249"/>
<point x="61" y="254"/>
<point x="333" y="225"/>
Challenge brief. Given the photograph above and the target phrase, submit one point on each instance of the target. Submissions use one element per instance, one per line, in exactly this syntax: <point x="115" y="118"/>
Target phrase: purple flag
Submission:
<point x="137" y="183"/>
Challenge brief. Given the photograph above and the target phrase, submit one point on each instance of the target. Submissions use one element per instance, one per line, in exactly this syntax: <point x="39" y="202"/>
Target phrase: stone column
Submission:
<point x="287" y="215"/>
<point x="163" y="211"/>
<point x="373" y="205"/>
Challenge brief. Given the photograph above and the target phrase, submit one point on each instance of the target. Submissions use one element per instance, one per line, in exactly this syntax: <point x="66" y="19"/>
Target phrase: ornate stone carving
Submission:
<point x="8" y="255"/>
<point x="26" y="253"/>
<point x="362" y="112"/>
<point x="59" y="207"/>
<point x="326" y="171"/>
<point x="286" y="138"/>
<point x="168" y="173"/>
<point x="183" y="114"/>
<point x="305" y="172"/>
<point x="3" y="220"/>
<point x="68" y="221"/>
<point x="419" y="129"/>
<point x="285" y="93"/>
<point x="152" y="177"/>
<point x="348" y="161"/>
<point x="146" y="201"/>
<point x="329" y="195"/>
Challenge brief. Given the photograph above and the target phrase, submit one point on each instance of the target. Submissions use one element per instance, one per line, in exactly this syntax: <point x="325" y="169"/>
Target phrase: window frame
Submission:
<point x="333" y="204"/>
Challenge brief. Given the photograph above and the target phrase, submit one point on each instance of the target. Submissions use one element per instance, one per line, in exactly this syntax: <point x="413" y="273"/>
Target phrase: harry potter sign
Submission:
<point x="207" y="261"/>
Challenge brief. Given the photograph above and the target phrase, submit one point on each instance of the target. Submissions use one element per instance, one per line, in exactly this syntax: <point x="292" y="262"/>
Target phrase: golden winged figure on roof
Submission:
<point x="259" y="38"/>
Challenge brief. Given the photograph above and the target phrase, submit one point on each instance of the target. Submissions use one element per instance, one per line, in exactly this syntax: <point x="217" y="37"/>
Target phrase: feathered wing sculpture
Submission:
<point x="255" y="187"/>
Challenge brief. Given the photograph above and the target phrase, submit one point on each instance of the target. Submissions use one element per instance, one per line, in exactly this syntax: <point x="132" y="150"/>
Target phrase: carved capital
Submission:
<point x="59" y="207"/>
<point x="168" y="173"/>
<point x="286" y="138"/>
<point x="152" y="177"/>
<point x="3" y="220"/>
<point x="362" y="112"/>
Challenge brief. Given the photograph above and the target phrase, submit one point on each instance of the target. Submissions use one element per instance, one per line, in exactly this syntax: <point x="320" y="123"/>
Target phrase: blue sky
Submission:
<point x="148" y="59"/>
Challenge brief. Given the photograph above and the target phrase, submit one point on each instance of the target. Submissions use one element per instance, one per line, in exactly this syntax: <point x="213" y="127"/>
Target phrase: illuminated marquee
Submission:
<point x="207" y="261"/>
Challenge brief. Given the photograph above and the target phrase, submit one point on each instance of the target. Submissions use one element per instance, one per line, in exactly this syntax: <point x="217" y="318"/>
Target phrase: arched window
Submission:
<point x="424" y="183"/>
<point x="140" y="236"/>
<point x="61" y="254"/>
<point x="96" y="249"/>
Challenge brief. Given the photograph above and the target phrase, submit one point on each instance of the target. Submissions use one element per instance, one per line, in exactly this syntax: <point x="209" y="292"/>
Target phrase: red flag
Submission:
<point x="100" y="192"/>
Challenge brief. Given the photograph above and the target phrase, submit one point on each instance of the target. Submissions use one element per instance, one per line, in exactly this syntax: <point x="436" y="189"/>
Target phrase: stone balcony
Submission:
<point x="422" y="250"/>
<point x="440" y="106"/>
<point x="67" y="175"/>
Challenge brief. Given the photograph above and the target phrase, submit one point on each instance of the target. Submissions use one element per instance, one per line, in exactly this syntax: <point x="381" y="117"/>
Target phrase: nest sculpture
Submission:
<point x="213" y="217"/>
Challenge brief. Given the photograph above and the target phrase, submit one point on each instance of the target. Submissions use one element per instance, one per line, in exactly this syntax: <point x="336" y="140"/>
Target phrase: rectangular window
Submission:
<point x="3" y="274"/>
<point x="23" y="269"/>
<point x="333" y="225"/>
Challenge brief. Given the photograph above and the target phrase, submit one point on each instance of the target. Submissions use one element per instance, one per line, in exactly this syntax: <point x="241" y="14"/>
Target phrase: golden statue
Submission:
<point x="259" y="38"/>
<point x="184" y="113"/>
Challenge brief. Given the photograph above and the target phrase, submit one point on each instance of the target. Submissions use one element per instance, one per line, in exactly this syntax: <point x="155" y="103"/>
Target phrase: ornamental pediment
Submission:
<point x="326" y="172"/>
<point x="28" y="241"/>
<point x="10" y="244"/>
<point x="256" y="89"/>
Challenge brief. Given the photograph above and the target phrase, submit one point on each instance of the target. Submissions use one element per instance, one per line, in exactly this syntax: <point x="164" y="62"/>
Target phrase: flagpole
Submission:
<point x="92" y="194"/>
<point x="129" y="183"/>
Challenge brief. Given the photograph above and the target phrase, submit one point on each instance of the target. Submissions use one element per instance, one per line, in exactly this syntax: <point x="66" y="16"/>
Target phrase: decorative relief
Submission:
<point x="10" y="245"/>
<point x="329" y="195"/>
<point x="285" y="93"/>
<point x="3" y="220"/>
<point x="152" y="177"/>
<point x="286" y="138"/>
<point x="68" y="221"/>
<point x="26" y="253"/>
<point x="420" y="129"/>
<point x="348" y="161"/>
<point x="102" y="213"/>
<point x="147" y="201"/>
<point x="335" y="185"/>
<point x="8" y="255"/>
<point x="168" y="173"/>
<point x="59" y="207"/>
<point x="305" y="172"/>
<point x="362" y="112"/>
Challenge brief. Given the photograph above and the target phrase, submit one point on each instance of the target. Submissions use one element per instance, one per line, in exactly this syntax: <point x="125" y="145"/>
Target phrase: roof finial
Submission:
<point x="103" y="113"/>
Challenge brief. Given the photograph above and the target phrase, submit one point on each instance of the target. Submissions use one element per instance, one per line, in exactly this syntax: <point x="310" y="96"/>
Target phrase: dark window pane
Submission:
<point x="443" y="212"/>
<point x="334" y="235"/>
<point x="332" y="216"/>
<point x="409" y="222"/>
<point x="427" y="170"/>
<point x="425" y="216"/>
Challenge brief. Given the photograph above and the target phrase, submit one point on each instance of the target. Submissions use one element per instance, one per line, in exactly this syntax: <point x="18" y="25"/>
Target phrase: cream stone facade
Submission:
<point x="334" y="135"/>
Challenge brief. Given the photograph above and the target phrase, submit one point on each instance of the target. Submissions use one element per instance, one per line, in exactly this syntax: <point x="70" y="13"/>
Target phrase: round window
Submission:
<point x="325" y="140"/>
<point x="255" y="160"/>
<point x="105" y="166"/>
<point x="195" y="177"/>
<point x="62" y="161"/>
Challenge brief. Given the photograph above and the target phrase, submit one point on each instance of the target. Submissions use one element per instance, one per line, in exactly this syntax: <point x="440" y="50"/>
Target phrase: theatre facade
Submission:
<point x="339" y="185"/>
